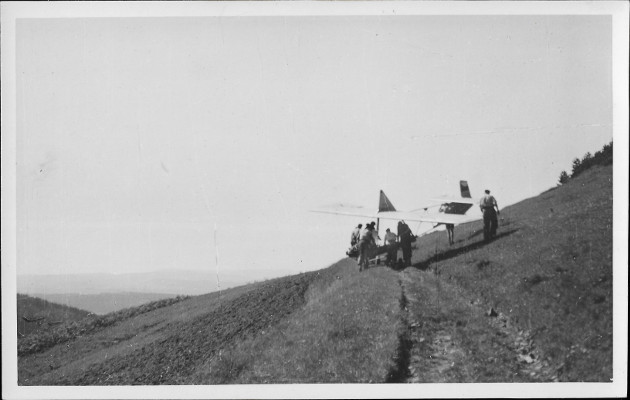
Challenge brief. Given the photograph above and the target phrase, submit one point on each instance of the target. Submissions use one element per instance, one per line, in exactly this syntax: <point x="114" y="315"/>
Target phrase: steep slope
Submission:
<point x="69" y="331"/>
<point x="347" y="331"/>
<point x="533" y="305"/>
<point x="548" y="276"/>
<point x="238" y="337"/>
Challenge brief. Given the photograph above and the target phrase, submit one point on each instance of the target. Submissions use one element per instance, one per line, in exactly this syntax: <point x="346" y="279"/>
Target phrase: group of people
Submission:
<point x="366" y="240"/>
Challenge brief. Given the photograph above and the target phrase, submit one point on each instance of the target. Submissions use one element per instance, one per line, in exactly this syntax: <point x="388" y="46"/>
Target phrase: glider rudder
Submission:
<point x="463" y="187"/>
<point x="384" y="204"/>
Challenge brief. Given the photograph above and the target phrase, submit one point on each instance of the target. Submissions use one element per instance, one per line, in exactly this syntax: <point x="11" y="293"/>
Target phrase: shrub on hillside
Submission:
<point x="605" y="155"/>
<point x="601" y="157"/>
<point x="564" y="178"/>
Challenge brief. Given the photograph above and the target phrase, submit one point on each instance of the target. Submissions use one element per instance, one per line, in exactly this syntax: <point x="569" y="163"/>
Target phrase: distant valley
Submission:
<point x="104" y="293"/>
<point x="103" y="303"/>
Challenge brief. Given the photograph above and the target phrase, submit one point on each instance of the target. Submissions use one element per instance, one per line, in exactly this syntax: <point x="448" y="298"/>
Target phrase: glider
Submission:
<point x="452" y="210"/>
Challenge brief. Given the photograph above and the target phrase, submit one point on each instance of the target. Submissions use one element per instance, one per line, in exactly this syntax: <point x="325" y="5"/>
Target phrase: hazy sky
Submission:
<point x="137" y="136"/>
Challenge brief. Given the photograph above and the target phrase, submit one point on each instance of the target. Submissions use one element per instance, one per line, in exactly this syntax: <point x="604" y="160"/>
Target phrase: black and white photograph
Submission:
<point x="303" y="199"/>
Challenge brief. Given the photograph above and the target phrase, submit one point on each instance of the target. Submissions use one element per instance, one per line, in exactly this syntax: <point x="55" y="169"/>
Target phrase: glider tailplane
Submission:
<point x="459" y="207"/>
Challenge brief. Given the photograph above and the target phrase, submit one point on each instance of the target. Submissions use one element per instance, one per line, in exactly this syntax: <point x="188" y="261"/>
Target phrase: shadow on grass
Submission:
<point x="477" y="232"/>
<point x="424" y="265"/>
<point x="400" y="371"/>
<point x="503" y="223"/>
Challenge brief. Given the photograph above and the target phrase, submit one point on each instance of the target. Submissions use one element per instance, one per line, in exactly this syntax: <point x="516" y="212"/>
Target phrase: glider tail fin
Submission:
<point x="384" y="204"/>
<point x="460" y="208"/>
<point x="463" y="187"/>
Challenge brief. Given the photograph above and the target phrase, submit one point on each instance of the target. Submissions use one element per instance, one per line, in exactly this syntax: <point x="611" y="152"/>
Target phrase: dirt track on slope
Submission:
<point x="454" y="340"/>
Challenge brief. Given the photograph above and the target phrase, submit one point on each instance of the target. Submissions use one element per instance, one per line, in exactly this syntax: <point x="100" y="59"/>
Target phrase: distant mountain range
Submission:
<point x="103" y="303"/>
<point x="166" y="282"/>
<point x="105" y="293"/>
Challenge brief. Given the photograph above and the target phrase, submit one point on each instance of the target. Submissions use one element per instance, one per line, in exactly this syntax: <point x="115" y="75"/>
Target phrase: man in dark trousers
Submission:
<point x="404" y="237"/>
<point x="450" y="229"/>
<point x="490" y="221"/>
<point x="392" y="247"/>
<point x="365" y="243"/>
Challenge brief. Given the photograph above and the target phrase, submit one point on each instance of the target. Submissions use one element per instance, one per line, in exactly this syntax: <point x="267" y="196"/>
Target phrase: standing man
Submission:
<point x="392" y="247"/>
<point x="404" y="236"/>
<point x="490" y="222"/>
<point x="365" y="242"/>
<point x="377" y="238"/>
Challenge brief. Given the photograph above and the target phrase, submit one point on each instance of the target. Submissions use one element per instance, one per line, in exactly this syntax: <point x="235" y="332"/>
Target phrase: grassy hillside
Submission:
<point x="533" y="305"/>
<point x="69" y="330"/>
<point x="212" y="339"/>
<point x="35" y="314"/>
<point x="347" y="331"/>
<point x="549" y="272"/>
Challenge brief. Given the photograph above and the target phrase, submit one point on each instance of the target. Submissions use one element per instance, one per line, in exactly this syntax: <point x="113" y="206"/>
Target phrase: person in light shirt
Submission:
<point x="392" y="246"/>
<point x="356" y="235"/>
<point x="365" y="243"/>
<point x="490" y="221"/>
